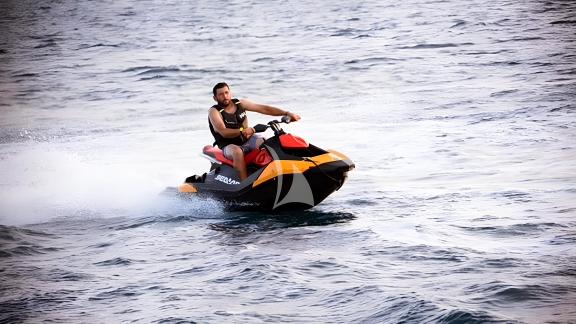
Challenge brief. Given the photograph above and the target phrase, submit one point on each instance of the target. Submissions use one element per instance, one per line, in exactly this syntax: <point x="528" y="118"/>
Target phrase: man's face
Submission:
<point x="223" y="96"/>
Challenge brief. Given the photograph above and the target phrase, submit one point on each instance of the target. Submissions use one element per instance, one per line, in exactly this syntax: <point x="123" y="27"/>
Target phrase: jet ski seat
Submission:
<point x="259" y="157"/>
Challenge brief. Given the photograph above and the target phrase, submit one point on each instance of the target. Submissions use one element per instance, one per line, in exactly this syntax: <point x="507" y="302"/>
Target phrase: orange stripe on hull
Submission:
<point x="277" y="168"/>
<point x="187" y="187"/>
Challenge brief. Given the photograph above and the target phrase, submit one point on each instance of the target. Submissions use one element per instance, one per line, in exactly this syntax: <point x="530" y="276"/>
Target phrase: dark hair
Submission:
<point x="219" y="85"/>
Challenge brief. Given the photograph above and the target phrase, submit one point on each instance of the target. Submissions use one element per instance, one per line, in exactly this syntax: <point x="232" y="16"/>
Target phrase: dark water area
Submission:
<point x="459" y="116"/>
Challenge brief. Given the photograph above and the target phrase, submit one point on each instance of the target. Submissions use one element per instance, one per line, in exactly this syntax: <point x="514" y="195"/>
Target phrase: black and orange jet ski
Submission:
<point x="285" y="173"/>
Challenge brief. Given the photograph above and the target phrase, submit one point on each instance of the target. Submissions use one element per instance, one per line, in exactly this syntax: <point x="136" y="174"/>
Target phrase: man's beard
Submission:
<point x="224" y="103"/>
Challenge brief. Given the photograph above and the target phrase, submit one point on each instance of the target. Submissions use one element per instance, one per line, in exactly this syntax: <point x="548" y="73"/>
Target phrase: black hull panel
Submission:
<point x="296" y="191"/>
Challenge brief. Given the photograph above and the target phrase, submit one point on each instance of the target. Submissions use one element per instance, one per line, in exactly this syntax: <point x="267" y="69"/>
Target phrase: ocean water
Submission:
<point x="459" y="115"/>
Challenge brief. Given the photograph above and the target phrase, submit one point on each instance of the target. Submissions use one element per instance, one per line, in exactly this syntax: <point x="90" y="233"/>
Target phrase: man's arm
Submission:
<point x="219" y="126"/>
<point x="267" y="110"/>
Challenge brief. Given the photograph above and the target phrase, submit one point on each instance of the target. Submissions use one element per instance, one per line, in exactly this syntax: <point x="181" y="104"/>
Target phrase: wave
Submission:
<point x="159" y="70"/>
<point x="498" y="293"/>
<point x="14" y="234"/>
<point x="564" y="22"/>
<point x="154" y="77"/>
<point x="484" y="117"/>
<point x="21" y="309"/>
<point x="115" y="262"/>
<point x="371" y="61"/>
<point x="261" y="222"/>
<point x="16" y="241"/>
<point x="434" y="46"/>
<point x="568" y="238"/>
<point x="183" y="73"/>
<point x="47" y="43"/>
<point x="424" y="253"/>
<point x="25" y="75"/>
<point x="171" y="69"/>
<point x="520" y="39"/>
<point x="87" y="46"/>
<point x="468" y="317"/>
<point x="524" y="229"/>
<point x="62" y="275"/>
<point x="118" y="293"/>
<point x="264" y="59"/>
<point x="376" y="307"/>
<point x="504" y="93"/>
<point x="459" y="23"/>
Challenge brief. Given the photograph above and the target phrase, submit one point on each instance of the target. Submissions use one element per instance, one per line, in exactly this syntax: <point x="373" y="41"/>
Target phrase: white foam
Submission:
<point x="41" y="183"/>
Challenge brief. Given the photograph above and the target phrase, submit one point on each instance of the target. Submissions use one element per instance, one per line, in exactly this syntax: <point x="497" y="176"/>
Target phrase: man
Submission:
<point x="229" y="125"/>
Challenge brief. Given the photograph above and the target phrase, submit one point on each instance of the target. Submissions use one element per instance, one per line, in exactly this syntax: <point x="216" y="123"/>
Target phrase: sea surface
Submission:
<point x="460" y="117"/>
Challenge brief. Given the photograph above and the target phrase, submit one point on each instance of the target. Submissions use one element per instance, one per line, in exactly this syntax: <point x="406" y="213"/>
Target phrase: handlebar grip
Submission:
<point x="260" y="128"/>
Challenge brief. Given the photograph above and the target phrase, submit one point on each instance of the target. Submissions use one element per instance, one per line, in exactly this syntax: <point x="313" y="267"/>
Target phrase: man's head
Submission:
<point x="222" y="94"/>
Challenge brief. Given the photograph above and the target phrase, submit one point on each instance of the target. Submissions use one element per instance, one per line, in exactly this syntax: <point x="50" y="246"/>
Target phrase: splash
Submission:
<point x="41" y="185"/>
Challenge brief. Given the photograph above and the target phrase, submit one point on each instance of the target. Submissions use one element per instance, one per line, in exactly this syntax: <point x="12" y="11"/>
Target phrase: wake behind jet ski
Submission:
<point x="284" y="173"/>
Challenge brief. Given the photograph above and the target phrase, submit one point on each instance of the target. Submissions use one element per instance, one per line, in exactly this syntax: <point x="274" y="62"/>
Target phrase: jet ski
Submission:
<point x="284" y="173"/>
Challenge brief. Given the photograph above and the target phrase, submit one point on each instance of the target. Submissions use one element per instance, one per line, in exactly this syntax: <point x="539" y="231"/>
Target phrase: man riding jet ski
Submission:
<point x="281" y="172"/>
<point x="229" y="125"/>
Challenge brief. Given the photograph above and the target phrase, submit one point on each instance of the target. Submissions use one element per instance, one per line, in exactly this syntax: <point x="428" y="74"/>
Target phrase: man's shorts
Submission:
<point x="247" y="147"/>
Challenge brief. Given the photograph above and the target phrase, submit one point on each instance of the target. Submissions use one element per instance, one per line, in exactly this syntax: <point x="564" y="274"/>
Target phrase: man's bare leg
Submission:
<point x="239" y="163"/>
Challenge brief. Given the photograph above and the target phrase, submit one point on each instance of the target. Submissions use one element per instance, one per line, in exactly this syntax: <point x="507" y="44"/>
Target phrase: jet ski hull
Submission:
<point x="295" y="176"/>
<point x="290" y="185"/>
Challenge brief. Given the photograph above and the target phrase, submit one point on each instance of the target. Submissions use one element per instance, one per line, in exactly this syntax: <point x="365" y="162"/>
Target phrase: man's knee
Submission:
<point x="236" y="152"/>
<point x="231" y="151"/>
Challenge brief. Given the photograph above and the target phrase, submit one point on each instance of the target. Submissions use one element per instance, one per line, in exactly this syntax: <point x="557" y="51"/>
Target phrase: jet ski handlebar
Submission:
<point x="274" y="124"/>
<point x="286" y="119"/>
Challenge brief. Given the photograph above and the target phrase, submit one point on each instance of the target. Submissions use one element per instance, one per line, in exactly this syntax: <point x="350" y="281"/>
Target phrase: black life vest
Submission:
<point x="235" y="121"/>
